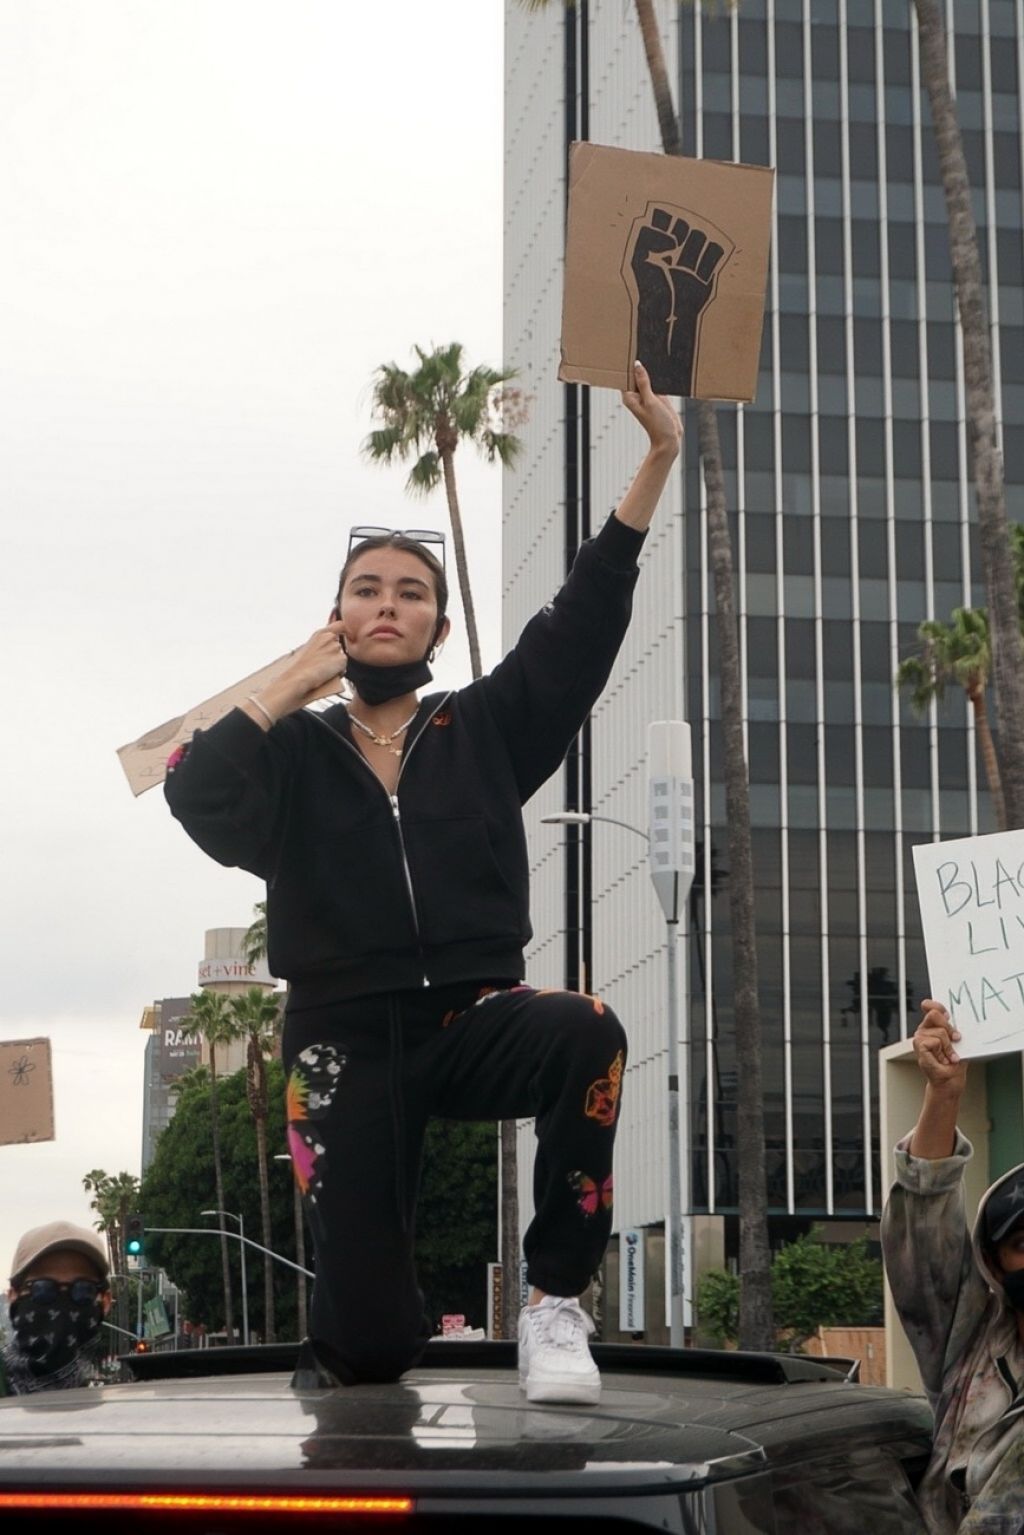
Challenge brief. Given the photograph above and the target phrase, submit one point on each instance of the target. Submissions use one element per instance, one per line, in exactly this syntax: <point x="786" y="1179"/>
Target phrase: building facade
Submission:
<point x="171" y="1050"/>
<point x="852" y="518"/>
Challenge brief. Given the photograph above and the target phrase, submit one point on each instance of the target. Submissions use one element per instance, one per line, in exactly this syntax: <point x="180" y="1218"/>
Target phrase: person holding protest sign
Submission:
<point x="960" y="1297"/>
<point x="390" y="834"/>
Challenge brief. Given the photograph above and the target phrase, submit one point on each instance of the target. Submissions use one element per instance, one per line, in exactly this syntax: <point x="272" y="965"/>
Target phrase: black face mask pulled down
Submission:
<point x="379" y="684"/>
<point x="50" y="1336"/>
<point x="1013" y="1288"/>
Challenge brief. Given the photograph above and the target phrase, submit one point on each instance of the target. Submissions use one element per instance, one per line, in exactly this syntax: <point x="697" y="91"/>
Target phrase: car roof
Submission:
<point x="665" y="1417"/>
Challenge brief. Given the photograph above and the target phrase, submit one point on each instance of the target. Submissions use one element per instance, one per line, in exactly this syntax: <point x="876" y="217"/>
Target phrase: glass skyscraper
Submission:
<point x="852" y="519"/>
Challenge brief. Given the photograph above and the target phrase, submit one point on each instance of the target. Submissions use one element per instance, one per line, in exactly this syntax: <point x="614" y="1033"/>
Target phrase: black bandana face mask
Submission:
<point x="1013" y="1288"/>
<point x="379" y="684"/>
<point x="50" y="1331"/>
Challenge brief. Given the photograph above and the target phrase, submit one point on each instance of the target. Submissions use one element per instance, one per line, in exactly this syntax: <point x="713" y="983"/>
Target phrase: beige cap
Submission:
<point x="58" y="1236"/>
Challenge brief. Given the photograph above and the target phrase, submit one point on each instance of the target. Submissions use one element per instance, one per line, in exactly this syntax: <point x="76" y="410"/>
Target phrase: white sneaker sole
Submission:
<point x="570" y="1388"/>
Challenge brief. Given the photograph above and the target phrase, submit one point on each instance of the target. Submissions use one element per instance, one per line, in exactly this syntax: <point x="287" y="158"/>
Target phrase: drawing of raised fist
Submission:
<point x="674" y="262"/>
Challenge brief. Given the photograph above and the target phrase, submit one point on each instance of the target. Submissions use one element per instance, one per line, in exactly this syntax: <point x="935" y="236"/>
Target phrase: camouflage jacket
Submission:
<point x="965" y="1338"/>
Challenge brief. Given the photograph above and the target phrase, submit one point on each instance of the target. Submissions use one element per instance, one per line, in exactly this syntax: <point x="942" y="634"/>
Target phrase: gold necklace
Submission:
<point x="385" y="741"/>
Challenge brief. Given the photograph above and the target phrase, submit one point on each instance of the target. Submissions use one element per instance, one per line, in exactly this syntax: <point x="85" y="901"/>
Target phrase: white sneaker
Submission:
<point x="554" y="1360"/>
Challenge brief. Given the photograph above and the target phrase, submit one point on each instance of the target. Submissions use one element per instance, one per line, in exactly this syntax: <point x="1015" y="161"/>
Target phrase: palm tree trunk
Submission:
<point x="447" y="458"/>
<point x="668" y="122"/>
<point x="269" y="1329"/>
<point x="756" y="1326"/>
<point x="218" y="1175"/>
<point x="507" y="1133"/>
<point x="986" y="459"/>
<point x="988" y="753"/>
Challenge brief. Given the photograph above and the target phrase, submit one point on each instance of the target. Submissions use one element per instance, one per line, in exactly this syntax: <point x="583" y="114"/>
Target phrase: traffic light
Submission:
<point x="142" y="1347"/>
<point x="134" y="1236"/>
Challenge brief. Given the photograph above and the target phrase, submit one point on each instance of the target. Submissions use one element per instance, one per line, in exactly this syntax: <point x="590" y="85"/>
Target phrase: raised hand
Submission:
<point x="320" y="662"/>
<point x="935" y="1050"/>
<point x="658" y="416"/>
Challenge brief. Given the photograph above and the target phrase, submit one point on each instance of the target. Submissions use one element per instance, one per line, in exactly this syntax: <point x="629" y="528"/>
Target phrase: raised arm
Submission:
<point x="926" y="1244"/>
<point x="660" y="420"/>
<point x="543" y="690"/>
<point x="945" y="1077"/>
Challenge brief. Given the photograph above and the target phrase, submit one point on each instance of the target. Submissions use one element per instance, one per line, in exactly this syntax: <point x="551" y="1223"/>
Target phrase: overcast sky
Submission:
<point x="216" y="218"/>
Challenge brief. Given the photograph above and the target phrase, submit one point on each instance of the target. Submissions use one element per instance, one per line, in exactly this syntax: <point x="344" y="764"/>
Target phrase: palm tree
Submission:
<point x="959" y="652"/>
<point x="1007" y="650"/>
<point x="209" y="1017"/>
<point x="195" y="1080"/>
<point x="114" y="1199"/>
<point x="256" y="949"/>
<point x="255" y="941"/>
<point x="428" y="413"/>
<point x="756" y="1327"/>
<point x="256" y="1015"/>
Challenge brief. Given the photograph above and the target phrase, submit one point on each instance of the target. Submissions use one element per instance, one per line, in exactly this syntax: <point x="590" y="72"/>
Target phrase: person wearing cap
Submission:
<point x="58" y="1297"/>
<point x="960" y="1297"/>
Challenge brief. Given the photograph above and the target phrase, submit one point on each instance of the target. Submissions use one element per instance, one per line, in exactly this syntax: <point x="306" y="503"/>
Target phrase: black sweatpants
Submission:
<point x="365" y="1076"/>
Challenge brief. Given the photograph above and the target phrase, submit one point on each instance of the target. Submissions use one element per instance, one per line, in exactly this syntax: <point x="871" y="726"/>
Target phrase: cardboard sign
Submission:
<point x="971" y="895"/>
<point x="145" y="760"/>
<point x="666" y="261"/>
<point x="26" y="1091"/>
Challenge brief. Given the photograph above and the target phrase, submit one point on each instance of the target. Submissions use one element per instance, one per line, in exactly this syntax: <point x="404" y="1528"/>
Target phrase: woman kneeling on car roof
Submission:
<point x="390" y="834"/>
<point x="960" y="1297"/>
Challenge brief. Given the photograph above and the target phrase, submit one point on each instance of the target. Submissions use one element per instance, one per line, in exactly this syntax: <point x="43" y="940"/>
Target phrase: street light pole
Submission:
<point x="245" y="1277"/>
<point x="670" y="787"/>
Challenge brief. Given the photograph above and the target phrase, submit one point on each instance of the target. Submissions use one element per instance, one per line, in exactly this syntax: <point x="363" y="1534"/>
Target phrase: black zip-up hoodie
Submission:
<point x="370" y="893"/>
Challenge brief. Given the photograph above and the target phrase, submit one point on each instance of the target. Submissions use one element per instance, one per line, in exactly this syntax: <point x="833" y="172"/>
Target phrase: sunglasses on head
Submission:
<point x="45" y="1291"/>
<point x="428" y="536"/>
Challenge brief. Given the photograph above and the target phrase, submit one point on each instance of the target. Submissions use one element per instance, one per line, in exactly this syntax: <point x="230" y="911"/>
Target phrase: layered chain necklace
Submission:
<point x="385" y="742"/>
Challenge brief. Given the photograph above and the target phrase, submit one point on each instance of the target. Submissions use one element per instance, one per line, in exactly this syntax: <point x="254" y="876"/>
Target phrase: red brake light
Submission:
<point x="221" y="1503"/>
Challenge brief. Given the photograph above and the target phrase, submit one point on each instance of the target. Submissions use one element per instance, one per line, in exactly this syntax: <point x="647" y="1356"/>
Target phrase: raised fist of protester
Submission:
<point x="674" y="265"/>
<point x="935" y="1049"/>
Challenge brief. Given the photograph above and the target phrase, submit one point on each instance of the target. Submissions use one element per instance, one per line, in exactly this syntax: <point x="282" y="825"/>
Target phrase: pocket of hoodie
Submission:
<point x="461" y="890"/>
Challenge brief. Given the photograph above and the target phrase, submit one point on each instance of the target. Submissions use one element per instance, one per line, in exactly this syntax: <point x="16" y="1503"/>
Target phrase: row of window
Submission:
<point x="861" y="53"/>
<point x="1000" y="16"/>
<point x="871" y="441"/>
<point x="790" y="147"/>
<point x="865" y="237"/>
<point x="761" y="553"/>
<point x="836" y="493"/>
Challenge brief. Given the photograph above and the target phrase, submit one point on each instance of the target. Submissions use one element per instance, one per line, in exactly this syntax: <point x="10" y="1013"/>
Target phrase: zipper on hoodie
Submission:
<point x="396" y="815"/>
<point x="396" y="812"/>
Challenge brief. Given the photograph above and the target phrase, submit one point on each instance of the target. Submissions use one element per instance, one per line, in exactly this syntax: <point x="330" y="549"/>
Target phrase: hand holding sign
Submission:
<point x="935" y="1046"/>
<point x="971" y="895"/>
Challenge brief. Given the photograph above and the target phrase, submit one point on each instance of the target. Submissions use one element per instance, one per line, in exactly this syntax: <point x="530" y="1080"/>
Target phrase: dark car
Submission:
<point x="682" y="1440"/>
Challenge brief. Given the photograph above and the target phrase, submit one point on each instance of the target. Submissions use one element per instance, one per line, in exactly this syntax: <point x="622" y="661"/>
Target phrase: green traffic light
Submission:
<point x="134" y="1247"/>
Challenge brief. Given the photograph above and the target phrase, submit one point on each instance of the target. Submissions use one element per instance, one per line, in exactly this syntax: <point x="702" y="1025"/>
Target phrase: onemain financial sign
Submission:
<point x="631" y="1280"/>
